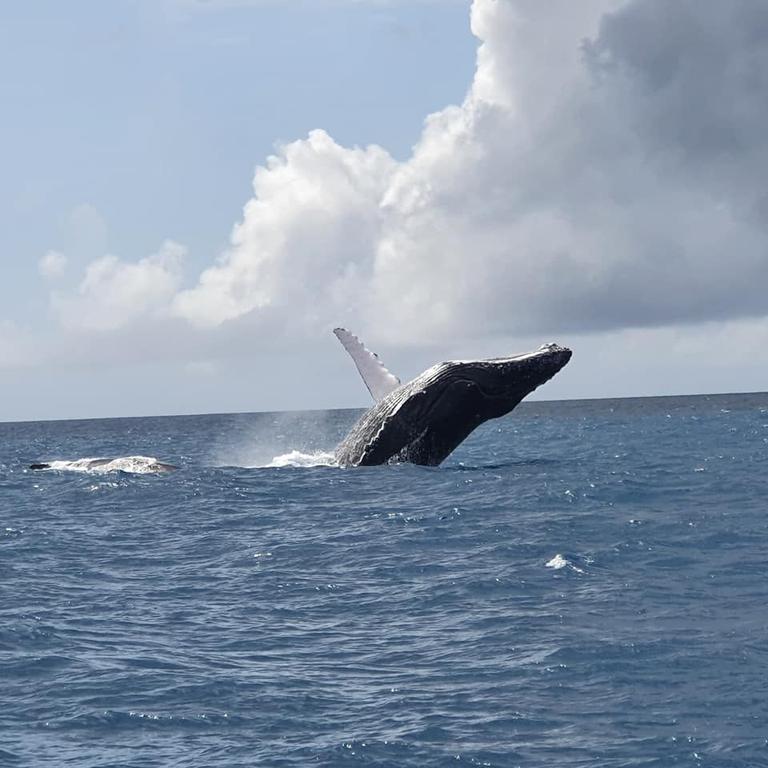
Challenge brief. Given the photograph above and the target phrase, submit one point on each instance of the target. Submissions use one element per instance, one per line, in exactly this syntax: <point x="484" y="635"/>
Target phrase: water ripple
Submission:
<point x="234" y="614"/>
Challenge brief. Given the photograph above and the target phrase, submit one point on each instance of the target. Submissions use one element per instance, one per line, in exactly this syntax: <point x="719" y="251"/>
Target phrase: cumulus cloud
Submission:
<point x="307" y="238"/>
<point x="52" y="265"/>
<point x="561" y="196"/>
<point x="115" y="293"/>
<point x="605" y="170"/>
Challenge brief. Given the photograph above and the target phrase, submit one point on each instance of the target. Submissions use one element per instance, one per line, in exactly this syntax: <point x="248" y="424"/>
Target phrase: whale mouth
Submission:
<point x="550" y="348"/>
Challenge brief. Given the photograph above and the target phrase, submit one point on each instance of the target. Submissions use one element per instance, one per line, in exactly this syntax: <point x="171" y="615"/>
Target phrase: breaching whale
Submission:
<point x="424" y="420"/>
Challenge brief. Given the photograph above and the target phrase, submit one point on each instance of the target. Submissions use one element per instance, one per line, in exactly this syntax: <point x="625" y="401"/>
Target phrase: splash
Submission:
<point x="558" y="562"/>
<point x="300" y="459"/>
<point x="135" y="465"/>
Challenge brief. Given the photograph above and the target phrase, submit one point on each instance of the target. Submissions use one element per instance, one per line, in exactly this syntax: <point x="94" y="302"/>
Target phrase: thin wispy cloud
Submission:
<point x="114" y="293"/>
<point x="52" y="265"/>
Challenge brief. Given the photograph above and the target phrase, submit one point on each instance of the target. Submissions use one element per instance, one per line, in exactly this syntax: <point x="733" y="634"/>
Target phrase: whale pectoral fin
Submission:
<point x="377" y="378"/>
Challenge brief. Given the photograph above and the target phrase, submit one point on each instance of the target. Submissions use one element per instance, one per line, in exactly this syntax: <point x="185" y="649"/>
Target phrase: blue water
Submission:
<point x="580" y="584"/>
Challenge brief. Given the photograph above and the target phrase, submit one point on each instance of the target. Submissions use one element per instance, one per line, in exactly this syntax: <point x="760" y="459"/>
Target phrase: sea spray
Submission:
<point x="301" y="438"/>
<point x="299" y="459"/>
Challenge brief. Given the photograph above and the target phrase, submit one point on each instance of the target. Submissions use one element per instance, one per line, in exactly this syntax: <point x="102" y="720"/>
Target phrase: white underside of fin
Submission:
<point x="377" y="378"/>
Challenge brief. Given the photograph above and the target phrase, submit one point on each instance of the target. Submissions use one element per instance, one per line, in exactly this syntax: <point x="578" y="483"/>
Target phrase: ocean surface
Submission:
<point x="580" y="584"/>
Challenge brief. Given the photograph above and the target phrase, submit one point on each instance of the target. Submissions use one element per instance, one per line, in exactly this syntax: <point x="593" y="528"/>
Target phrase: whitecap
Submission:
<point x="557" y="562"/>
<point x="301" y="459"/>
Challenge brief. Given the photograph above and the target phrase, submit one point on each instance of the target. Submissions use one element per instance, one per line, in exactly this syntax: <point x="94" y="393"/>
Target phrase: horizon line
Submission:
<point x="361" y="408"/>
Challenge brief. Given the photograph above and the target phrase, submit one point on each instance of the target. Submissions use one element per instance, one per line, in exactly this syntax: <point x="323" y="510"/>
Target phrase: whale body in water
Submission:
<point x="137" y="465"/>
<point x="424" y="420"/>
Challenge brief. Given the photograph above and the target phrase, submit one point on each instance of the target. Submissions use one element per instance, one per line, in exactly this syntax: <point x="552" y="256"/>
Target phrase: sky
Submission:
<point x="195" y="192"/>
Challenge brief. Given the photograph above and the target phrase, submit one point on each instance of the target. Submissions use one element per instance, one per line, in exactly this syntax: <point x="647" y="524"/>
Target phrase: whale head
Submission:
<point x="505" y="381"/>
<point x="484" y="389"/>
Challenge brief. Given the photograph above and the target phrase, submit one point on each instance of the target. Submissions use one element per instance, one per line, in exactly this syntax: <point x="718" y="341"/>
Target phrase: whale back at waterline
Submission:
<point x="424" y="420"/>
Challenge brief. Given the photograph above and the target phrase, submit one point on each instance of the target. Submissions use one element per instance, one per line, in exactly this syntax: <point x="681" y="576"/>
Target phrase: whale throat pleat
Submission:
<point x="377" y="378"/>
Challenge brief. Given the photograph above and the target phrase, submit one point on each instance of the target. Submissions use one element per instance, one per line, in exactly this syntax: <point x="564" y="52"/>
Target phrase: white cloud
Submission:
<point x="602" y="185"/>
<point x="605" y="170"/>
<point x="114" y="293"/>
<point x="52" y="265"/>
<point x="306" y="246"/>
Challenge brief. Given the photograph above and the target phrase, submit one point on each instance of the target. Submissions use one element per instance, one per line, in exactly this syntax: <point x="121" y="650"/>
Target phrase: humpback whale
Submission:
<point x="138" y="465"/>
<point x="424" y="420"/>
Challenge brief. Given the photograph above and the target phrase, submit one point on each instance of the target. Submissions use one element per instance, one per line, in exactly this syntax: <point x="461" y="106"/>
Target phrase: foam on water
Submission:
<point x="300" y="459"/>
<point x="558" y="562"/>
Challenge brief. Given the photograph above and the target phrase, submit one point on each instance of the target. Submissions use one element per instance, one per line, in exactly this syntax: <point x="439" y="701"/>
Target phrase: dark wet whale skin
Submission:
<point x="423" y="421"/>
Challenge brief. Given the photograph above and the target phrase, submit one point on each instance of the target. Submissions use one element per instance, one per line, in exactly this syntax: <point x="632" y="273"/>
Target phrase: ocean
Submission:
<point x="581" y="583"/>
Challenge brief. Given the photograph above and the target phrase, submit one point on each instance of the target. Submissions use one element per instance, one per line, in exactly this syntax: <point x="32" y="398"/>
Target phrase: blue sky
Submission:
<point x="195" y="193"/>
